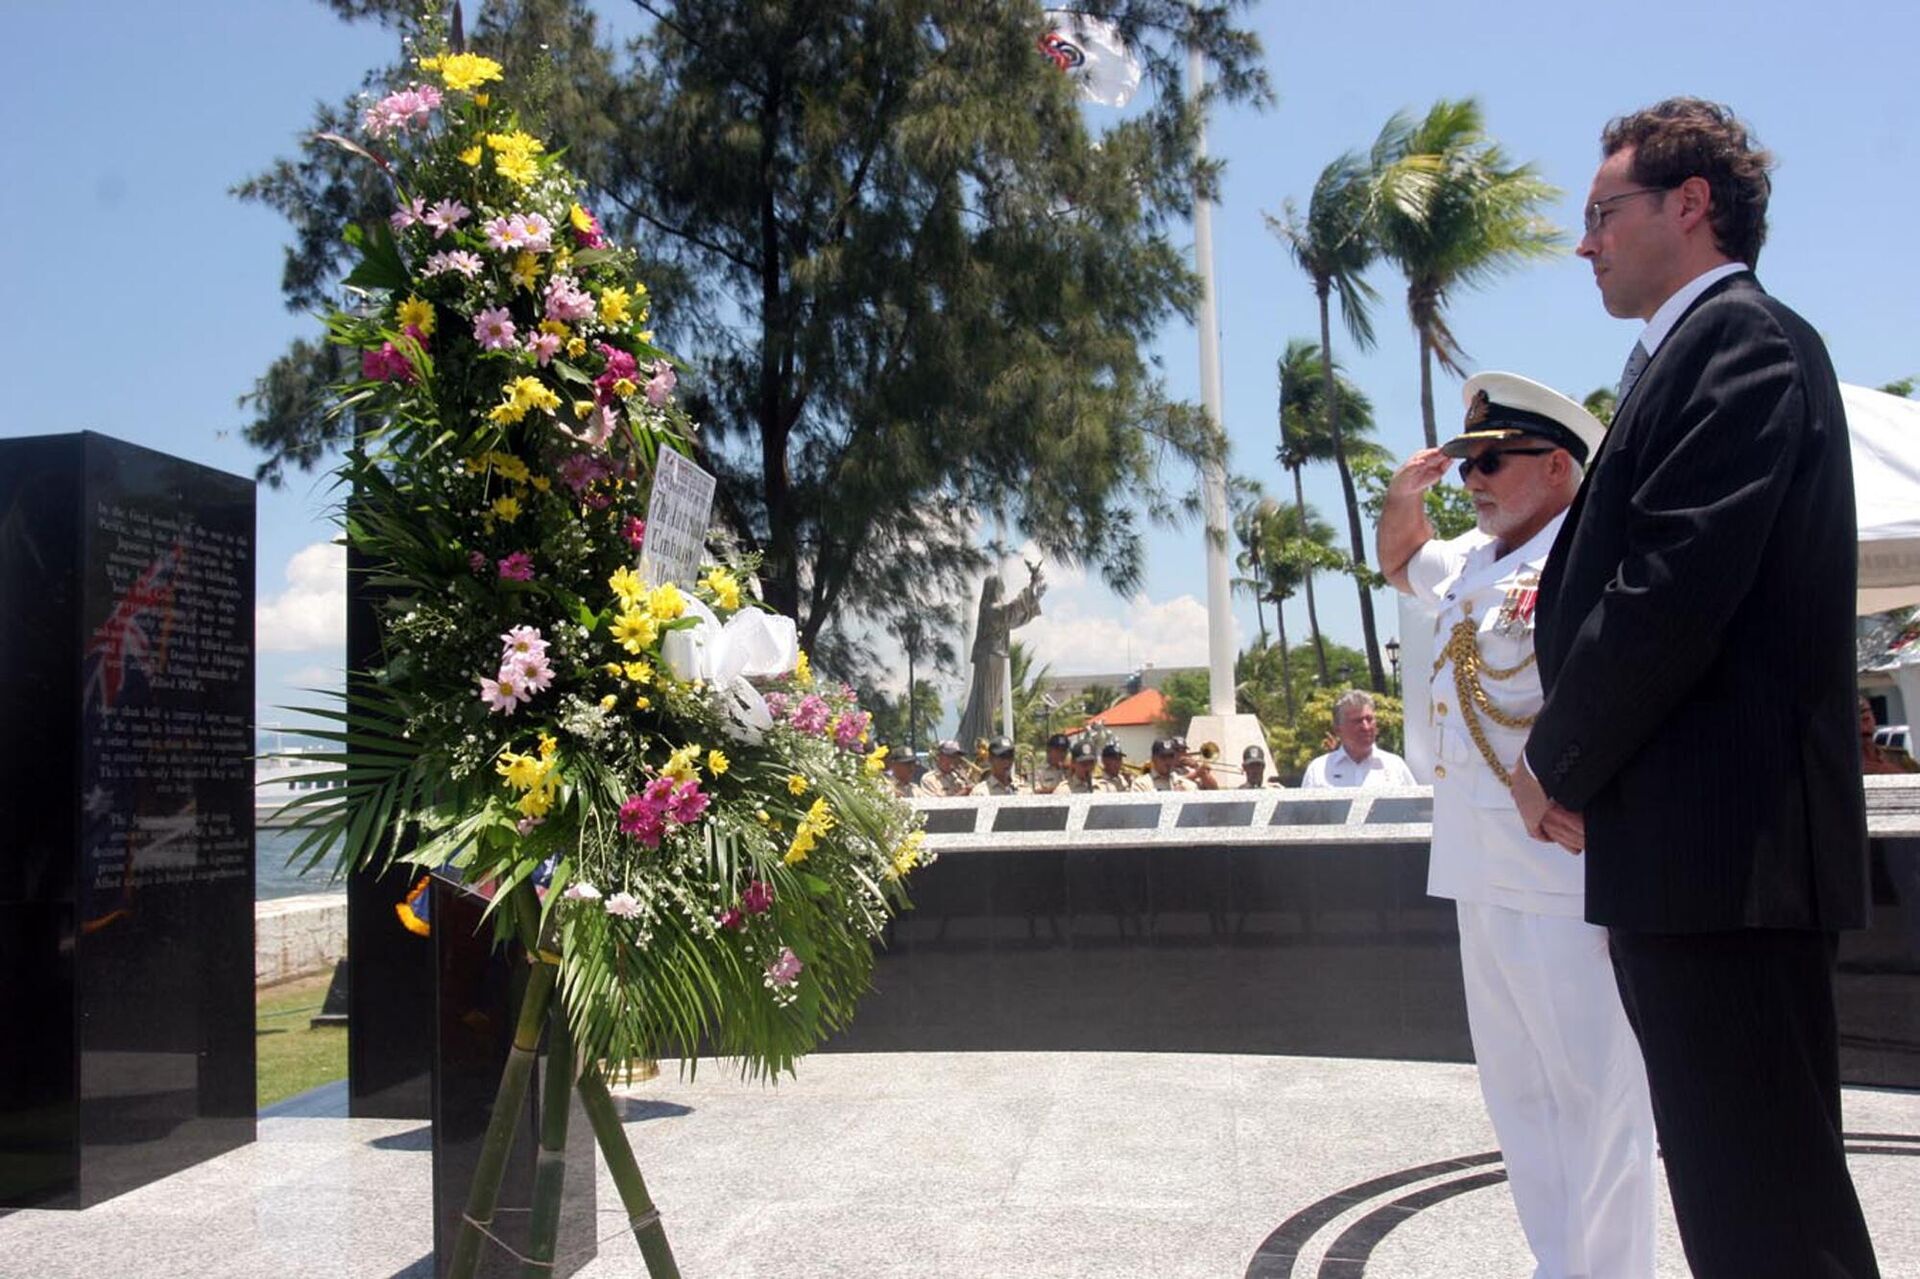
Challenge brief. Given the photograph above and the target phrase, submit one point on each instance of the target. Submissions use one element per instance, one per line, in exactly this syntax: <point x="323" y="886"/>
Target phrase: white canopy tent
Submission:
<point x="1885" y="431"/>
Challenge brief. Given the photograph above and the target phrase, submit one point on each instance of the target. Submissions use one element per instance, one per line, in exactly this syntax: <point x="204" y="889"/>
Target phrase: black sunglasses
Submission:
<point x="1489" y="463"/>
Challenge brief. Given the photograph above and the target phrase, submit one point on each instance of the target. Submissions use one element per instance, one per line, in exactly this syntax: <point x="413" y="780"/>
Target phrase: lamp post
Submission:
<point x="1393" y="658"/>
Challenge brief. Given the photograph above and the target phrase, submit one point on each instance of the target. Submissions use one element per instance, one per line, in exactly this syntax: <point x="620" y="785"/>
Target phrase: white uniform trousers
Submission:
<point x="1564" y="1084"/>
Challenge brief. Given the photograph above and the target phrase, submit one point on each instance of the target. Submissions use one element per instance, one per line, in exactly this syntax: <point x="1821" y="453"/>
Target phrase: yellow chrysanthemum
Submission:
<point x="415" y="311"/>
<point x="876" y="759"/>
<point x="642" y="703"/>
<point x="635" y="631"/>
<point x="581" y="408"/>
<point x="526" y="269"/>
<point x="462" y="72"/>
<point x="556" y="328"/>
<point x="639" y="672"/>
<point x="803" y="843"/>
<point x="471" y="156"/>
<point x="509" y="467"/>
<point x="680" y="766"/>
<point x="796" y="785"/>
<point x="507" y="508"/>
<point x="666" y="602"/>
<point x="542" y="484"/>
<point x="718" y="763"/>
<point x="627" y="586"/>
<point x="514" y="156"/>
<point x="549" y="746"/>
<point x="576" y="347"/>
<point x="608" y="702"/>
<point x="624" y="387"/>
<point x="803" y="669"/>
<point x="724" y="586"/>
<point x="581" y="220"/>
<point x="614" y="305"/>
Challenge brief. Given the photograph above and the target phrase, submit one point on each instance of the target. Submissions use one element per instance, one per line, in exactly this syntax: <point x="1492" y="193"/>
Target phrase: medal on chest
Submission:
<point x="1516" y="613"/>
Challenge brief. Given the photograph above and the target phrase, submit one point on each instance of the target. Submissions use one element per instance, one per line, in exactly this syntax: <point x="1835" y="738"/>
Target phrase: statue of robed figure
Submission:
<point x="990" y="695"/>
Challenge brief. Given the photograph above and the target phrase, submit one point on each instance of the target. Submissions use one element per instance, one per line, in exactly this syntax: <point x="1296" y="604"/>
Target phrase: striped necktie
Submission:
<point x="1636" y="365"/>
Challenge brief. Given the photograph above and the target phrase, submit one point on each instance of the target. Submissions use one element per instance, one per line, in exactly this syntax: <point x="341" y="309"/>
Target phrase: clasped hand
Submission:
<point x="1545" y="819"/>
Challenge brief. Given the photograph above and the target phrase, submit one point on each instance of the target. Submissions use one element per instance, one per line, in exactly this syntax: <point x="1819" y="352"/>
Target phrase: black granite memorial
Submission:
<point x="390" y="982"/>
<point x="476" y="997"/>
<point x="126" y="863"/>
<point x="1299" y="948"/>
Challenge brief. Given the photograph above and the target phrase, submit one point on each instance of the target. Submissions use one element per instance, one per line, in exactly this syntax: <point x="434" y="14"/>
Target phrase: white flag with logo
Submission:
<point x="1091" y="51"/>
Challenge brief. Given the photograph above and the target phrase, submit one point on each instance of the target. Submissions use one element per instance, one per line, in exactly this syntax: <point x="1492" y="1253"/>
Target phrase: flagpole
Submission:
<point x="1213" y="474"/>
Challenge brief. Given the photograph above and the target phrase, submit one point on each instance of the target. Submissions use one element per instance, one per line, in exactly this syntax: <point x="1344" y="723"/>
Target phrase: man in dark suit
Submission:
<point x="1695" y="640"/>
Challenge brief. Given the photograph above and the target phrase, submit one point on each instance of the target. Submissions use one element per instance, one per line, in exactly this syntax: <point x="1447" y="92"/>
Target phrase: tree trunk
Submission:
<point x="780" y="572"/>
<point x="1369" y="632"/>
<point x="1426" y="390"/>
<point x="1286" y="666"/>
<point x="1313" y="611"/>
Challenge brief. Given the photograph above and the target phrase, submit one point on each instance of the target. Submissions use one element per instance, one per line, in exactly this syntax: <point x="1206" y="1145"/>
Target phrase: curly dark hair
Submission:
<point x="1685" y="138"/>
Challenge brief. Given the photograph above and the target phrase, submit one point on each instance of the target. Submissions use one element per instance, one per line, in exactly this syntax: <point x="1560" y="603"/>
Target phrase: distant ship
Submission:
<point x="281" y="778"/>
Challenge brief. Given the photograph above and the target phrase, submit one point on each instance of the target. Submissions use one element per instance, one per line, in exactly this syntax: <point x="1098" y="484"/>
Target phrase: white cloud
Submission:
<point x="318" y="676"/>
<point x="311" y="614"/>
<point x="1084" y="628"/>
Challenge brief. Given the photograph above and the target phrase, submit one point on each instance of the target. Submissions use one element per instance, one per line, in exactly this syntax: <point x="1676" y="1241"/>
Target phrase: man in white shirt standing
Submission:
<point x="1357" y="761"/>
<point x="1560" y="1069"/>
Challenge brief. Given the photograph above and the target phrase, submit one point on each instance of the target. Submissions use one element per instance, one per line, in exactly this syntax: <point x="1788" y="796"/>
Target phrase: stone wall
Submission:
<point x="298" y="936"/>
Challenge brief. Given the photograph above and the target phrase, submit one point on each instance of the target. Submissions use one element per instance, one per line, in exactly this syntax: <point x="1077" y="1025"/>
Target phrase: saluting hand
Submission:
<point x="1418" y="473"/>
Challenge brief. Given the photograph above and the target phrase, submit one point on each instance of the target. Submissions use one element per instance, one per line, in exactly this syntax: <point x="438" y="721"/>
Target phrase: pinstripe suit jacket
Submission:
<point x="1695" y="633"/>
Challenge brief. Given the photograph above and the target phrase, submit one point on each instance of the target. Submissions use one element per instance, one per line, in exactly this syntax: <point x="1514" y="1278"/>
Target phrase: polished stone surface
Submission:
<point x="126" y="866"/>
<point x="988" y="1165"/>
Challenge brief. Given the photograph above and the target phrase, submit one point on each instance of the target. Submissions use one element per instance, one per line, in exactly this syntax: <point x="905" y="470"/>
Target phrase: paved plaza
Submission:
<point x="1049" y="1165"/>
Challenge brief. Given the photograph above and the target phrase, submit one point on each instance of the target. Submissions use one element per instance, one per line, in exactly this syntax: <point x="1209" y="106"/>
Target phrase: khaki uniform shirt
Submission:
<point x="945" y="785"/>
<point x="905" y="790"/>
<point x="1172" y="781"/>
<point x="991" y="785"/>
<point x="1074" y="786"/>
<point x="1119" y="783"/>
<point x="1047" y="778"/>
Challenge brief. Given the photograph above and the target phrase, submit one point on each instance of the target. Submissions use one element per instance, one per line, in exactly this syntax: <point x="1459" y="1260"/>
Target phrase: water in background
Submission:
<point x="273" y="877"/>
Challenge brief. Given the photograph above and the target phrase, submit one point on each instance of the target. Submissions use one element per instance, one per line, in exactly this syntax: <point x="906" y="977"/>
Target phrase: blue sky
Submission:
<point x="142" y="298"/>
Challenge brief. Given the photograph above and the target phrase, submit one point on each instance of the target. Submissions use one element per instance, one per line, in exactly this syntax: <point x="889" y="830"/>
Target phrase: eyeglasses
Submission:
<point x="1489" y="463"/>
<point x="1596" y="214"/>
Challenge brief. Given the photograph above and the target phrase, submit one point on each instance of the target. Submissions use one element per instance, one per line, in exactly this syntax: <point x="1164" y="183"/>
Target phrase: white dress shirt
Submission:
<point x="1337" y="768"/>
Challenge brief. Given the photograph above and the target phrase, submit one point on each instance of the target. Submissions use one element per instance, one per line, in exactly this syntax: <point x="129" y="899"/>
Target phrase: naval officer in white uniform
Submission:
<point x="1560" y="1069"/>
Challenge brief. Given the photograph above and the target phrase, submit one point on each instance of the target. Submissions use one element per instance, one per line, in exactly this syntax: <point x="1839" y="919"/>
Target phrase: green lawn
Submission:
<point x="292" y="1056"/>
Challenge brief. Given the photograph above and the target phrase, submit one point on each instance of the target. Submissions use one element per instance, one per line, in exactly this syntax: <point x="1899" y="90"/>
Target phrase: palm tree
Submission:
<point x="1452" y="211"/>
<point x="1308" y="435"/>
<point x="1334" y="244"/>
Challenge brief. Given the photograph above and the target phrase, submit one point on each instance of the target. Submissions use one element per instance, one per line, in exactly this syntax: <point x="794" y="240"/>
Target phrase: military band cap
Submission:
<point x="1506" y="406"/>
<point x="1253" y="755"/>
<point x="1000" y="748"/>
<point x="1166" y="746"/>
<point x="948" y="746"/>
<point x="1059" y="739"/>
<point x="902" y="755"/>
<point x="1112" y="748"/>
<point x="1084" y="750"/>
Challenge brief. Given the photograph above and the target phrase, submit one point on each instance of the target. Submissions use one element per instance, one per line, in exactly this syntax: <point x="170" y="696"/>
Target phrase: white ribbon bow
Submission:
<point x="752" y="645"/>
